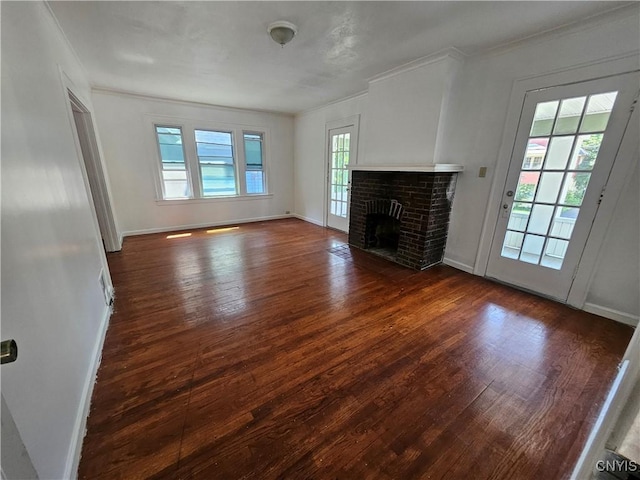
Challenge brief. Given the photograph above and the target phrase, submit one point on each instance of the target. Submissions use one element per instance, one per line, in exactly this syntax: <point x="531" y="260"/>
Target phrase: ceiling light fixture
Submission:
<point x="282" y="32"/>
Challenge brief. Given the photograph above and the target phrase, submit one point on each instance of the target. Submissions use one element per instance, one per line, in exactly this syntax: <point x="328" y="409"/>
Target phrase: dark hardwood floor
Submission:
<point x="275" y="351"/>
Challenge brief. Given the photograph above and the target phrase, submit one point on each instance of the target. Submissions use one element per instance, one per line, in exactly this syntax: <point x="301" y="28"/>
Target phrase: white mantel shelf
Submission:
<point x="427" y="168"/>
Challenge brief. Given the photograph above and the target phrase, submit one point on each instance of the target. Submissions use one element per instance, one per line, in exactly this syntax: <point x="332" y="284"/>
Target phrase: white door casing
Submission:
<point x="569" y="121"/>
<point x="85" y="137"/>
<point x="342" y="150"/>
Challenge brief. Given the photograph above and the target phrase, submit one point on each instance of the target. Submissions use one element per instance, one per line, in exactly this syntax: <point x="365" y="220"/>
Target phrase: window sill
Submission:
<point x="234" y="198"/>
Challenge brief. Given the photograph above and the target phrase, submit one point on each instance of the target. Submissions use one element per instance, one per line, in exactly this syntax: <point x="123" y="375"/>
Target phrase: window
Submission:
<point x="213" y="163"/>
<point x="215" y="158"/>
<point x="254" y="168"/>
<point x="175" y="182"/>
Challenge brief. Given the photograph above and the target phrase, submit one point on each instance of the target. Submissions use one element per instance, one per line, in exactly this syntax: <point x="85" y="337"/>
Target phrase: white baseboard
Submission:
<point x="616" y="315"/>
<point x="309" y="220"/>
<point x="75" y="448"/>
<point x="202" y="225"/>
<point x="459" y="265"/>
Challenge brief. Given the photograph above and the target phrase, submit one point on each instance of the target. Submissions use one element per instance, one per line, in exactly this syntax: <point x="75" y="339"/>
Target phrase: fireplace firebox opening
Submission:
<point x="382" y="227"/>
<point x="382" y="234"/>
<point x="401" y="215"/>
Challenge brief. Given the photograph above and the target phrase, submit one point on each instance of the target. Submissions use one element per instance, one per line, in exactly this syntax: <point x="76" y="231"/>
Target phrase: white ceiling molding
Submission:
<point x="619" y="12"/>
<point x="450" y="52"/>
<point x="157" y="98"/>
<point x="217" y="53"/>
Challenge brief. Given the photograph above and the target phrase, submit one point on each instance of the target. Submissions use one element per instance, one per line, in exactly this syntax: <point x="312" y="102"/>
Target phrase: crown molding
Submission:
<point x="302" y="113"/>
<point x="439" y="56"/>
<point x="158" y="98"/>
<point x="587" y="23"/>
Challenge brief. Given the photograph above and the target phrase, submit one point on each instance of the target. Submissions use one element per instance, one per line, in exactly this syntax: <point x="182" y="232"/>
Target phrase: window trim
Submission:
<point x="265" y="187"/>
<point x="234" y="157"/>
<point x="186" y="201"/>
<point x="188" y="128"/>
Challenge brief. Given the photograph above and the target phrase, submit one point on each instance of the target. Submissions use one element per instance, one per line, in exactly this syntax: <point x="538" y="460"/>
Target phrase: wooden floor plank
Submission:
<point x="277" y="351"/>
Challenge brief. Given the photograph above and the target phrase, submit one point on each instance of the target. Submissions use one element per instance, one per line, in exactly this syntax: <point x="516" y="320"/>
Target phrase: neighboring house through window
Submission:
<point x="254" y="168"/>
<point x="215" y="158"/>
<point x="209" y="163"/>
<point x="175" y="182"/>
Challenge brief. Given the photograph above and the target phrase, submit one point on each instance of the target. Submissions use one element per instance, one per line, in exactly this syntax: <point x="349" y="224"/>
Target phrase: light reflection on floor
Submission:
<point x="227" y="267"/>
<point x="223" y="229"/>
<point x="510" y="331"/>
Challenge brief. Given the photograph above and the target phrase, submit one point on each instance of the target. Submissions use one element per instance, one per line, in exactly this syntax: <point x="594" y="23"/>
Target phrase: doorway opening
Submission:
<point x="342" y="152"/>
<point x="97" y="184"/>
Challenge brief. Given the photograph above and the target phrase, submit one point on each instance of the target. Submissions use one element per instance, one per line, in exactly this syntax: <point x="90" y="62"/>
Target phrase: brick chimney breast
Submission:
<point x="424" y="201"/>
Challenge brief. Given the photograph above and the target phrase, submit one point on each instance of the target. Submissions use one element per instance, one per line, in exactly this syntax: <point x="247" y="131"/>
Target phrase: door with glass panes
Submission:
<point x="565" y="146"/>
<point x="340" y="154"/>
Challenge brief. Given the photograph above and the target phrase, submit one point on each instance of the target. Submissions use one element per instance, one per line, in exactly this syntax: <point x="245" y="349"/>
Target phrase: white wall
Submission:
<point x="477" y="121"/>
<point x="128" y="141"/>
<point x="406" y="113"/>
<point x="472" y="136"/>
<point x="52" y="304"/>
<point x="617" y="279"/>
<point x="479" y="111"/>
<point x="310" y="150"/>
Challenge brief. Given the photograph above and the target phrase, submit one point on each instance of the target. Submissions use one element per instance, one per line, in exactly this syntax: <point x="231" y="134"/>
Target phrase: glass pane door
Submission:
<point x="339" y="176"/>
<point x="561" y="153"/>
<point x="341" y="153"/>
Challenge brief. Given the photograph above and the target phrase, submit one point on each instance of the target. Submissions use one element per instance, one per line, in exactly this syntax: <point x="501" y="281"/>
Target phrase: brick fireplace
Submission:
<point x="402" y="215"/>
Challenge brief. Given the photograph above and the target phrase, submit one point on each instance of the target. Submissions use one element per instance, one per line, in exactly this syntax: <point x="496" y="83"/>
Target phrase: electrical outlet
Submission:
<point x="482" y="172"/>
<point x="287" y="212"/>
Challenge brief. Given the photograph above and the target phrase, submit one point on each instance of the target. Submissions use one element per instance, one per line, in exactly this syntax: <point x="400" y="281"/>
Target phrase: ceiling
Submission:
<point x="220" y="53"/>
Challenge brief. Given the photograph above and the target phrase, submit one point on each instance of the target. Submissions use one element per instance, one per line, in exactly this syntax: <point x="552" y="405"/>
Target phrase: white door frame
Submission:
<point x="92" y="165"/>
<point x="351" y="121"/>
<point x="95" y="174"/>
<point x="621" y="168"/>
<point x="549" y="279"/>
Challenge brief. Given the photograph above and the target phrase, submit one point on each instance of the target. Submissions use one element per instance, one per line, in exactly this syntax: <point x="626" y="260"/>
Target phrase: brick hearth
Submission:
<point x="426" y="200"/>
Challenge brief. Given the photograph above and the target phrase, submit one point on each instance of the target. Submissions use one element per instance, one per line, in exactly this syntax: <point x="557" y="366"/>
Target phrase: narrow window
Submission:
<point x="254" y="167"/>
<point x="215" y="157"/>
<point x="175" y="183"/>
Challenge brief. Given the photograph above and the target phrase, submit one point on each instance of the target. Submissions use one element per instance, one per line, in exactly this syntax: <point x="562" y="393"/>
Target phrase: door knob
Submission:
<point x="8" y="351"/>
